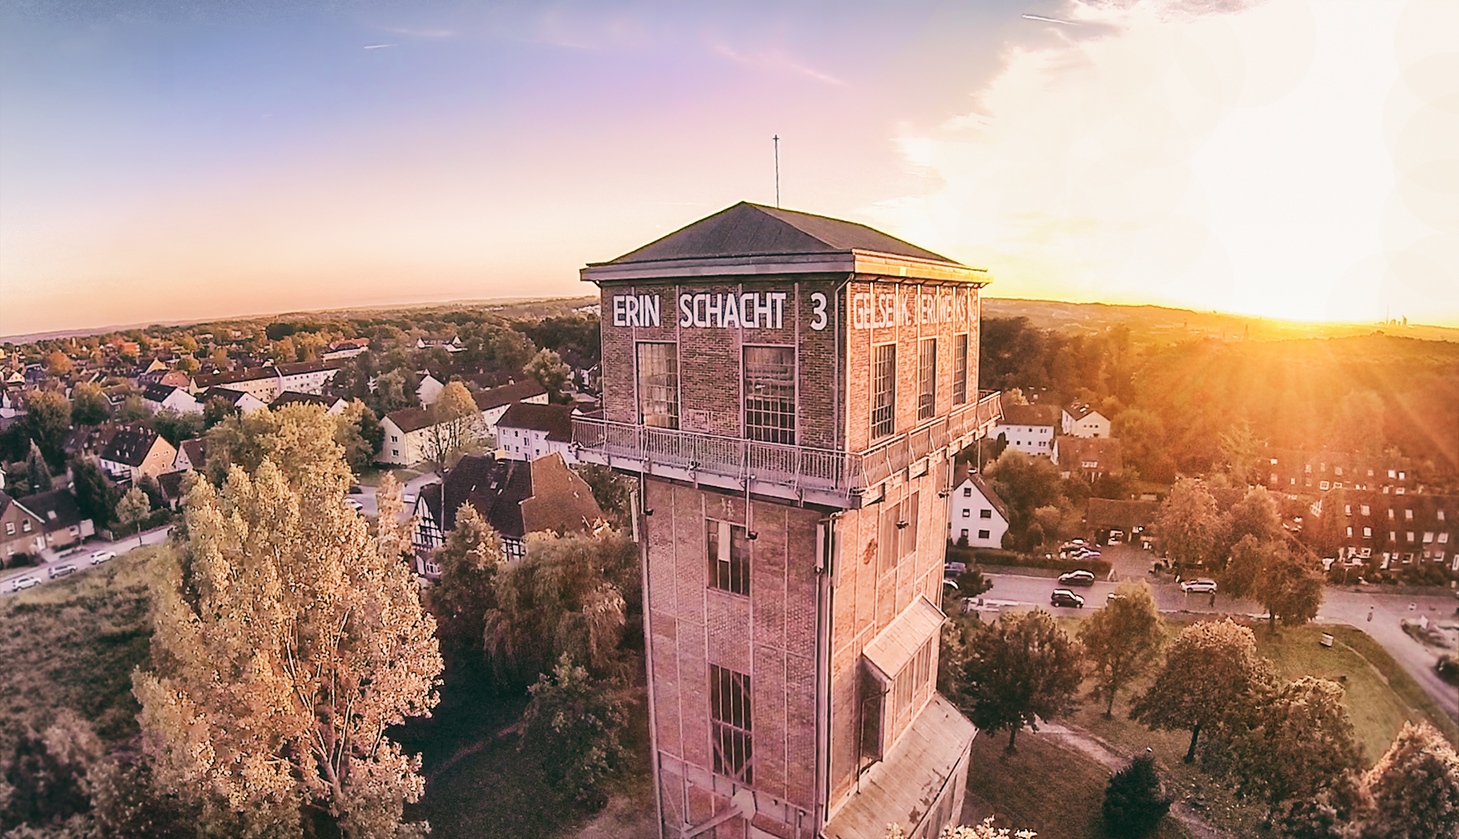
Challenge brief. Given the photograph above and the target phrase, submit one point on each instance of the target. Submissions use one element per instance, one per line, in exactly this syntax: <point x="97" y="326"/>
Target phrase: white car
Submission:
<point x="60" y="570"/>
<point x="99" y="557"/>
<point x="1198" y="586"/>
<point x="23" y="583"/>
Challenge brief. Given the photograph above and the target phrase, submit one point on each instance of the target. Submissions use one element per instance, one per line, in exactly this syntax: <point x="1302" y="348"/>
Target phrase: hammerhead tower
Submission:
<point x="790" y="389"/>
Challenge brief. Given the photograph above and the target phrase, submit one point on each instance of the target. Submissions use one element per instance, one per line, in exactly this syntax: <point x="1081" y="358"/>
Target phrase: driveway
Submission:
<point x="411" y="489"/>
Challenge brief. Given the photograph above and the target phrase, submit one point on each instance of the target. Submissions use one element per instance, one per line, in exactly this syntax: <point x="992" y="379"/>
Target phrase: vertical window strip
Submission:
<point x="658" y="384"/>
<point x="769" y="376"/>
<point x="728" y="549"/>
<point x="883" y="390"/>
<point x="927" y="379"/>
<point x="960" y="369"/>
<point x="729" y="708"/>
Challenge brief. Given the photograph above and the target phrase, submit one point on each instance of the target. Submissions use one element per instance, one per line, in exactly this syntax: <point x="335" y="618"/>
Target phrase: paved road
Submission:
<point x="370" y="508"/>
<point x="1021" y="590"/>
<point x="80" y="558"/>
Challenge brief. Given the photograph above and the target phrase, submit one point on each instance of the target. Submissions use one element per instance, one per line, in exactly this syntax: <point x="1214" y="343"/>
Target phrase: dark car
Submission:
<point x="1065" y="597"/>
<point x="1077" y="578"/>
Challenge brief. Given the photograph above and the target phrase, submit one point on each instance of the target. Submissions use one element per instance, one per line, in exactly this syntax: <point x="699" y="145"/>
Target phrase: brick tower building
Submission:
<point x="791" y="389"/>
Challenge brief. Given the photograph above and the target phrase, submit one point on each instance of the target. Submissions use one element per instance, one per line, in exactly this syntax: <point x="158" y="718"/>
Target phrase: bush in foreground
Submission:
<point x="1135" y="800"/>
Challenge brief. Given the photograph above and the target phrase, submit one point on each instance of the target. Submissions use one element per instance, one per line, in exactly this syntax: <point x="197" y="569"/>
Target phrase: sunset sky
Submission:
<point x="171" y="161"/>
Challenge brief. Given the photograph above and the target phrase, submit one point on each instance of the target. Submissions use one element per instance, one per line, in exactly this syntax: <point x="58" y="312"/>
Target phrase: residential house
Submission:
<point x="134" y="451"/>
<point x="451" y="345"/>
<point x="332" y="405"/>
<point x="1081" y="420"/>
<point x="1301" y="472"/>
<point x="266" y="383"/>
<point x="528" y="431"/>
<point x="161" y="397"/>
<point x="347" y="348"/>
<point x="174" y="487"/>
<point x="241" y="400"/>
<point x="430" y="388"/>
<point x="60" y="517"/>
<point x="191" y="455"/>
<point x="21" y="530"/>
<point x="1028" y="428"/>
<point x="495" y="402"/>
<point x="406" y="440"/>
<point x="1388" y="530"/>
<point x="976" y="514"/>
<point x="514" y="497"/>
<point x="1087" y="458"/>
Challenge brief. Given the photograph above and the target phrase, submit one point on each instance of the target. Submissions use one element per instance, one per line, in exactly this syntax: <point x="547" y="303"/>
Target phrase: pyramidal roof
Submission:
<point x="752" y="238"/>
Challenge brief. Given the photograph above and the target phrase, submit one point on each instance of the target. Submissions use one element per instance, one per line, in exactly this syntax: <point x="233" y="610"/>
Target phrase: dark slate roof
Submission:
<point x="1080" y="410"/>
<point x="515" y="497"/>
<point x="1073" y="452"/>
<point x="157" y="392"/>
<point x="56" y="509"/>
<point x="556" y="420"/>
<point x="755" y="230"/>
<point x="226" y="394"/>
<point x="1029" y="415"/>
<point x="196" y="450"/>
<point x="507" y="394"/>
<point x="410" y="419"/>
<point x="129" y="444"/>
<point x="172" y="485"/>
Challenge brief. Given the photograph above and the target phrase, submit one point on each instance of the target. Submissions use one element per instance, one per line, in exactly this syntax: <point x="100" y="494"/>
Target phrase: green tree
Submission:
<point x="1143" y="442"/>
<point x="576" y="724"/>
<point x="1016" y="671"/>
<point x="1135" y="800"/>
<point x="1302" y="743"/>
<point x="89" y="404"/>
<point x="47" y="419"/>
<point x="351" y="426"/>
<point x="133" y="409"/>
<point x="1212" y="674"/>
<point x="95" y="496"/>
<point x="549" y="371"/>
<point x="394" y="390"/>
<point x="288" y="640"/>
<point x="1121" y="640"/>
<point x="1255" y="515"/>
<point x="216" y="410"/>
<point x="1414" y="787"/>
<point x="1188" y="523"/>
<point x="469" y="563"/>
<point x="176" y="426"/>
<point x="37" y="471"/>
<point x="610" y="490"/>
<point x="1287" y="584"/>
<point x="570" y="595"/>
<point x="1025" y="484"/>
<point x="1360" y="424"/>
<point x="133" y="509"/>
<point x="1240" y="451"/>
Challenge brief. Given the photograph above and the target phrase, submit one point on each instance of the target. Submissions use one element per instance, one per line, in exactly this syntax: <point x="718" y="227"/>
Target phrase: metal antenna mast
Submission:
<point x="776" y="138"/>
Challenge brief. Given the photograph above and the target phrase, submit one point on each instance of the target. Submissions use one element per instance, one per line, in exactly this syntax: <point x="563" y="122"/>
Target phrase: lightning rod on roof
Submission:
<point x="776" y="138"/>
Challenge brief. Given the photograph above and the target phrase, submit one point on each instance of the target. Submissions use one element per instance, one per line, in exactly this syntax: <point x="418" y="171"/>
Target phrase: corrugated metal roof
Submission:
<point x="901" y="788"/>
<point x="754" y="230"/>
<point x="894" y="646"/>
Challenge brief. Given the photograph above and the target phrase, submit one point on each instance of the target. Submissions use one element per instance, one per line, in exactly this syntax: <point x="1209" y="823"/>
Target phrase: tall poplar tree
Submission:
<point x="287" y="640"/>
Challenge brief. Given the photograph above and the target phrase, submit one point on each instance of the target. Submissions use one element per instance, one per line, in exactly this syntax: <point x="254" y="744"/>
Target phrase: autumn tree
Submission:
<point x="1359" y="427"/>
<point x="469" y="563"/>
<point x="95" y="496"/>
<point x="133" y="409"/>
<point x="89" y="404"/>
<point x="59" y="364"/>
<point x="576" y="724"/>
<point x="1240" y="450"/>
<point x="455" y="423"/>
<point x="1287" y="584"/>
<point x="288" y="640"/>
<point x="1255" y="515"/>
<point x="1302" y="742"/>
<point x="571" y="594"/>
<point x="1121" y="640"/>
<point x="1016" y="671"/>
<point x="133" y="509"/>
<point x="359" y="433"/>
<point x="1188" y="523"/>
<point x="610" y="490"/>
<point x="176" y="426"/>
<point x="1212" y="675"/>
<point x="1025" y="484"/>
<point x="1413" y="790"/>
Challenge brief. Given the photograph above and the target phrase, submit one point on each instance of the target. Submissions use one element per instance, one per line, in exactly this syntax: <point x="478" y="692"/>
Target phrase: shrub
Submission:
<point x="1135" y="800"/>
<point x="1448" y="668"/>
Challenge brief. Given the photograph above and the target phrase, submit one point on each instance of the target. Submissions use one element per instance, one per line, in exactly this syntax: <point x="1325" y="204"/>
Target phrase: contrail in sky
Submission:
<point x="1050" y="20"/>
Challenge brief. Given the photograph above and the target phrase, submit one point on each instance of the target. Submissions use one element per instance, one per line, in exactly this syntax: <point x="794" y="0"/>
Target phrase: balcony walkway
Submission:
<point x="794" y="473"/>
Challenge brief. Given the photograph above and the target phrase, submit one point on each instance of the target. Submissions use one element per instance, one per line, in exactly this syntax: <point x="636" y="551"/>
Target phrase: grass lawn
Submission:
<point x="73" y="643"/>
<point x="1043" y="787"/>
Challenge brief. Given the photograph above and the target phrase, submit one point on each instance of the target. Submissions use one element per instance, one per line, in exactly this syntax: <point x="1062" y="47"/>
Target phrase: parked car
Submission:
<point x="1072" y="544"/>
<point x="60" y="570"/>
<point x="1065" y="597"/>
<point x="23" y="583"/>
<point x="1113" y="596"/>
<point x="953" y="570"/>
<point x="354" y="505"/>
<point x="101" y="556"/>
<point x="1077" y="578"/>
<point x="1198" y="586"/>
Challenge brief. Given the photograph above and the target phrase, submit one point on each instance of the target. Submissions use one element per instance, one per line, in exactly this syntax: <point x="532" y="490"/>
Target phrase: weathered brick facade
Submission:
<point x="835" y="632"/>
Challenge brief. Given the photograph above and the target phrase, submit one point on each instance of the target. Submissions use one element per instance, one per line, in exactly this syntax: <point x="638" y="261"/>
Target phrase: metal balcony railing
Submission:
<point x="800" y="473"/>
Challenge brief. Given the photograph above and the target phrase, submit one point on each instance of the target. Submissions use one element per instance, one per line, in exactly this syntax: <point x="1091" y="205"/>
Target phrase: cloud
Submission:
<point x="1214" y="155"/>
<point x="775" y="62"/>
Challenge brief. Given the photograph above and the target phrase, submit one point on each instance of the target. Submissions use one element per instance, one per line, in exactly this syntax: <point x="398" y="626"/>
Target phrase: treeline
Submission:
<point x="1172" y="402"/>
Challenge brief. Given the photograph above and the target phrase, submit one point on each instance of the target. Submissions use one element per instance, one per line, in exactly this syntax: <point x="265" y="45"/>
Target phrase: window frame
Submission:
<point x="731" y="724"/>
<point x="647" y="398"/>
<point x="785" y="432"/>
<point x="883" y="390"/>
<point x="726" y="571"/>
<point x="926" y="379"/>
<point x="960" y="343"/>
